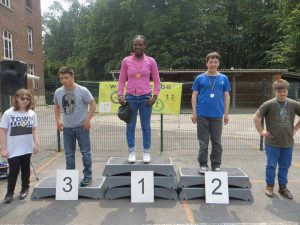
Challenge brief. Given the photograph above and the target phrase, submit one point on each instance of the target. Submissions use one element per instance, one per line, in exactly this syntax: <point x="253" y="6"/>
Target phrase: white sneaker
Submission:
<point x="217" y="169"/>
<point x="203" y="169"/>
<point x="146" y="157"/>
<point x="131" y="157"/>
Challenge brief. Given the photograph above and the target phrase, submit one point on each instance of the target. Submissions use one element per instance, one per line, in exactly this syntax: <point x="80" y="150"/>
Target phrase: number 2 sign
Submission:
<point x="216" y="187"/>
<point x="142" y="186"/>
<point x="67" y="185"/>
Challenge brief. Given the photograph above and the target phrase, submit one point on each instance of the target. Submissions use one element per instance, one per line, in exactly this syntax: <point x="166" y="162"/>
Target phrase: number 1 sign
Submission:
<point x="67" y="185"/>
<point x="216" y="187"/>
<point x="142" y="186"/>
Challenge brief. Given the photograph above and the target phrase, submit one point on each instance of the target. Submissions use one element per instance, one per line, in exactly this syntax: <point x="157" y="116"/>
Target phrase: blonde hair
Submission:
<point x="20" y="93"/>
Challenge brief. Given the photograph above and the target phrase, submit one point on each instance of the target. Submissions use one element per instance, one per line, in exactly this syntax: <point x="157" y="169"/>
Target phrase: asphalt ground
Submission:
<point x="262" y="210"/>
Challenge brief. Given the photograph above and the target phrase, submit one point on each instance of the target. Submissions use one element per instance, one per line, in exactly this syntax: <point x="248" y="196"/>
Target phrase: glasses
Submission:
<point x="23" y="99"/>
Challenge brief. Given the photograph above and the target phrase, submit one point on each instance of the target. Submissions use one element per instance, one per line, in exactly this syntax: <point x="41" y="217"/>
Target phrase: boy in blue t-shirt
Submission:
<point x="210" y="103"/>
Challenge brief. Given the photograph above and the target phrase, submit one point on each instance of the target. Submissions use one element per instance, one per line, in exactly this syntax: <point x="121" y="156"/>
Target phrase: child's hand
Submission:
<point x="60" y="126"/>
<point x="4" y="153"/>
<point x="36" y="149"/>
<point x="152" y="100"/>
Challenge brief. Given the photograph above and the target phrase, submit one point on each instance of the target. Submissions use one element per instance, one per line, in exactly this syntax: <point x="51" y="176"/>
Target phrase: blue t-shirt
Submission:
<point x="210" y="103"/>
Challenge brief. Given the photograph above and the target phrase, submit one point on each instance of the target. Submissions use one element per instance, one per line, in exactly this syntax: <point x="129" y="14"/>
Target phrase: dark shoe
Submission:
<point x="285" y="193"/>
<point x="85" y="182"/>
<point x="23" y="193"/>
<point x="8" y="198"/>
<point x="269" y="191"/>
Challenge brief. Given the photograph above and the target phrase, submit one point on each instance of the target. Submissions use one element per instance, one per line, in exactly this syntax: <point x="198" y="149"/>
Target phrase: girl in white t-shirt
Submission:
<point x="18" y="139"/>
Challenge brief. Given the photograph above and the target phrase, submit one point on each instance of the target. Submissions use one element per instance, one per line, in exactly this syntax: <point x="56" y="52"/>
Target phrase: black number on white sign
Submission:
<point x="69" y="183"/>
<point x="218" y="186"/>
<point x="142" y="181"/>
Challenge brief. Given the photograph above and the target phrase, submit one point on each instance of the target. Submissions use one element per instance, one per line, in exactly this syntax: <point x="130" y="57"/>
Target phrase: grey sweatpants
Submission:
<point x="210" y="128"/>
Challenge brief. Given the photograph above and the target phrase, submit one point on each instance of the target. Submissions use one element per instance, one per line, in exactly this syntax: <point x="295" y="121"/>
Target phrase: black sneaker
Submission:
<point x="23" y="193"/>
<point x="8" y="198"/>
<point x="85" y="182"/>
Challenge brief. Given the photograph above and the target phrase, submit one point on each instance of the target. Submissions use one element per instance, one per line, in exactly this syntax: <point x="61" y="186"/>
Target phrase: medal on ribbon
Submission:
<point x="212" y="95"/>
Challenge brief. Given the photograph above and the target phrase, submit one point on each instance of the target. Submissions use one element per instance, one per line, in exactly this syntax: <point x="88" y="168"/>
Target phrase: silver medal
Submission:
<point x="212" y="95"/>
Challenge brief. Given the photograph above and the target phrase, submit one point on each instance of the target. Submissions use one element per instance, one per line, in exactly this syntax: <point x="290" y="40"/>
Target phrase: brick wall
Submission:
<point x="16" y="20"/>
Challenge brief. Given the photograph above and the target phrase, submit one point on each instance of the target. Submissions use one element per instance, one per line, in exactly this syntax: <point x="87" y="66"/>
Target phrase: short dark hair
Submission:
<point x="64" y="70"/>
<point x="139" y="36"/>
<point x="20" y="93"/>
<point x="213" y="55"/>
<point x="280" y="84"/>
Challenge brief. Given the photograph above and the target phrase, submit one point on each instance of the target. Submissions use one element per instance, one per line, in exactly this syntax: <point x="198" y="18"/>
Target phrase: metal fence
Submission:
<point x="174" y="135"/>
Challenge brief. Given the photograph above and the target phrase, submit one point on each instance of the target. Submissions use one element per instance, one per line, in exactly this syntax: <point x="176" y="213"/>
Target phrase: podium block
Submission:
<point x="192" y="184"/>
<point x="117" y="183"/>
<point x="162" y="166"/>
<point x="47" y="188"/>
<point x="121" y="192"/>
<point x="199" y="192"/>
<point x="191" y="177"/>
<point x="159" y="181"/>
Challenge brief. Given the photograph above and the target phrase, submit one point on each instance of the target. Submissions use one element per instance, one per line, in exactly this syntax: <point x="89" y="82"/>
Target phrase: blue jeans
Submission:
<point x="139" y="104"/>
<point x="83" y="138"/>
<point x="282" y="157"/>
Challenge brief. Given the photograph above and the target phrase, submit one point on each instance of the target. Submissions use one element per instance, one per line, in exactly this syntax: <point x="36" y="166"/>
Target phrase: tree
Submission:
<point x="286" y="52"/>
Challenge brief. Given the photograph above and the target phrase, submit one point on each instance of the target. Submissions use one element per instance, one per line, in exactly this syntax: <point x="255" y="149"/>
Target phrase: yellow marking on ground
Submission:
<point x="188" y="212"/>
<point x="296" y="164"/>
<point x="47" y="163"/>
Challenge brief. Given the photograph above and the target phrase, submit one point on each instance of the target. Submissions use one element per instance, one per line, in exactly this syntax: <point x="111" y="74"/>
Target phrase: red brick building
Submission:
<point x="21" y="32"/>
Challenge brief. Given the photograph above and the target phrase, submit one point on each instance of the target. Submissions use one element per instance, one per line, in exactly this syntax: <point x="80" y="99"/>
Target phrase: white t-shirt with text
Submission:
<point x="19" y="127"/>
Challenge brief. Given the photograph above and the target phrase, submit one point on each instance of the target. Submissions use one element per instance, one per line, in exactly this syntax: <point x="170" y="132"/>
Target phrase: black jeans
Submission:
<point x="15" y="164"/>
<point x="210" y="128"/>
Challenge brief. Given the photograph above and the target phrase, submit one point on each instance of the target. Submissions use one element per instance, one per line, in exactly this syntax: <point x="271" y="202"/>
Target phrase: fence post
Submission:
<point x="263" y="98"/>
<point x="161" y="133"/>
<point x="58" y="141"/>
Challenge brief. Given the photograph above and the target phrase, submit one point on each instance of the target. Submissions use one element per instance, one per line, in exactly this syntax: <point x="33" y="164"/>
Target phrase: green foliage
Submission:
<point x="93" y="38"/>
<point x="286" y="52"/>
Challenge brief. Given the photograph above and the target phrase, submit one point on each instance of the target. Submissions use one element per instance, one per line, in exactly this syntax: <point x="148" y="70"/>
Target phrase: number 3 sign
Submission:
<point x="142" y="186"/>
<point x="67" y="185"/>
<point x="216" y="187"/>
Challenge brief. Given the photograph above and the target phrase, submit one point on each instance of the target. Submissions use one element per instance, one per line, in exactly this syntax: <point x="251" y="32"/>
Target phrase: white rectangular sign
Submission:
<point x="67" y="184"/>
<point x="142" y="186"/>
<point x="216" y="187"/>
<point x="105" y="107"/>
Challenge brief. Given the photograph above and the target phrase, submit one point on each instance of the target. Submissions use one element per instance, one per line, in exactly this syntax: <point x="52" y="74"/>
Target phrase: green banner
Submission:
<point x="168" y="101"/>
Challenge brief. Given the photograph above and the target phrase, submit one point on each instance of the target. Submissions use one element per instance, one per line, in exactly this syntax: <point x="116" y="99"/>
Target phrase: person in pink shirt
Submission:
<point x="138" y="69"/>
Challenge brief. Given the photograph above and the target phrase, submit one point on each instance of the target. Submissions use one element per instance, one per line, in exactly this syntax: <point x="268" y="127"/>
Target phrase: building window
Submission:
<point x="28" y="4"/>
<point x="7" y="44"/>
<point x="6" y="3"/>
<point x="29" y="38"/>
<point x="31" y="69"/>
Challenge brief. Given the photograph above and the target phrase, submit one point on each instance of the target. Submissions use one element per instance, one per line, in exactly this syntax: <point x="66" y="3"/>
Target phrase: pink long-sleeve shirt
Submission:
<point x="137" y="72"/>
